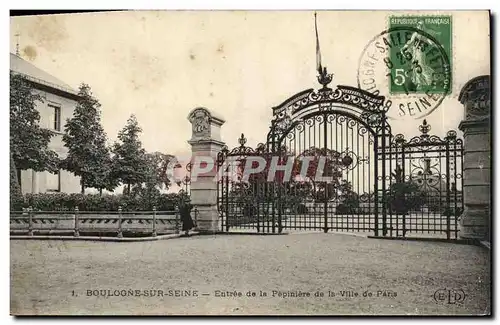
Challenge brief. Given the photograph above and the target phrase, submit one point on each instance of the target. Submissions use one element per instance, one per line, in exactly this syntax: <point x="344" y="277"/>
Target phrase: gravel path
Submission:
<point x="53" y="277"/>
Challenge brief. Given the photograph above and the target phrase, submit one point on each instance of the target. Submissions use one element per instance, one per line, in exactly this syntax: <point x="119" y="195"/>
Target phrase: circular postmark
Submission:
<point x="409" y="67"/>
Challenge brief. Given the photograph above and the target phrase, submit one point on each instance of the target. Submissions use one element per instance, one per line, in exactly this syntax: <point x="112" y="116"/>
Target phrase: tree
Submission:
<point x="157" y="169"/>
<point x="304" y="185"/>
<point x="88" y="156"/>
<point x="333" y="162"/>
<point x="348" y="198"/>
<point x="28" y="141"/>
<point x="156" y="177"/>
<point x="130" y="164"/>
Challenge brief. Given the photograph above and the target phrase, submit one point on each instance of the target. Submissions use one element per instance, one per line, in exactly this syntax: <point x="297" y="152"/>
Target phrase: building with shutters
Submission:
<point x="59" y="102"/>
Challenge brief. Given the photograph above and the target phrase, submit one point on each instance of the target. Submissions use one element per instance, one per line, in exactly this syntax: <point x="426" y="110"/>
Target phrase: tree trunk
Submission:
<point x="128" y="188"/>
<point x="83" y="186"/>
<point x="18" y="176"/>
<point x="315" y="196"/>
<point x="100" y="192"/>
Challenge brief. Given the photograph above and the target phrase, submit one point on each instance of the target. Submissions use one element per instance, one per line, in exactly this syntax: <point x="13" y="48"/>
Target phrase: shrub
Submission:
<point x="249" y="210"/>
<point x="95" y="202"/>
<point x="301" y="208"/>
<point x="345" y="209"/>
<point x="404" y="197"/>
<point x="457" y="212"/>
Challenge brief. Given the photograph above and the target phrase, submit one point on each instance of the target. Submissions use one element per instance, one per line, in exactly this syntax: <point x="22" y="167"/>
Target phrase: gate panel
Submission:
<point x="375" y="182"/>
<point x="330" y="139"/>
<point x="343" y="148"/>
<point x="424" y="197"/>
<point x="242" y="205"/>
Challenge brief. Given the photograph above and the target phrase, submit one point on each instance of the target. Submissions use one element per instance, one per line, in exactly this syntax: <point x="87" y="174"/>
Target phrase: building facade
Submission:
<point x="59" y="102"/>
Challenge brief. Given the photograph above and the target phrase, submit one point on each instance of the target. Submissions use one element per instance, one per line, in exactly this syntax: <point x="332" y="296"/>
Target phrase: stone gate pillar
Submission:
<point x="205" y="144"/>
<point x="475" y="220"/>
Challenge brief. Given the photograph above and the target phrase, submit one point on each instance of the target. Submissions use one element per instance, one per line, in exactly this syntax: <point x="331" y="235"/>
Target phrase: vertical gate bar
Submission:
<point x="360" y="208"/>
<point x="403" y="175"/>
<point x="293" y="208"/>
<point x="384" y="180"/>
<point x="378" y="154"/>
<point x="307" y="209"/>
<point x="448" y="206"/>
<point x="276" y="150"/>
<point x="437" y="215"/>
<point x="325" y="203"/>
<point x="256" y="196"/>
<point x="280" y="204"/>
<point x="315" y="194"/>
<point x="393" y="155"/>
<point x="340" y="150"/>
<point x="394" y="214"/>
<point x="430" y="210"/>
<point x="349" y="216"/>
<point x="456" y="203"/>
<point x="367" y="153"/>
<point x="331" y="206"/>
<point x="422" y="224"/>
<point x="462" y="205"/>
<point x="220" y="195"/>
<point x="315" y="143"/>
<point x="371" y="161"/>
<point x="335" y="215"/>
<point x="226" y="197"/>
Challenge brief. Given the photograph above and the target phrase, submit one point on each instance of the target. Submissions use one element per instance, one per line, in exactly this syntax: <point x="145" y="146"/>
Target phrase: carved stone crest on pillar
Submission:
<point x="200" y="119"/>
<point x="205" y="125"/>
<point x="476" y="98"/>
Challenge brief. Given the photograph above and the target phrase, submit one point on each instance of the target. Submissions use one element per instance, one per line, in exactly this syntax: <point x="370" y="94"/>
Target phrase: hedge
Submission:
<point x="95" y="202"/>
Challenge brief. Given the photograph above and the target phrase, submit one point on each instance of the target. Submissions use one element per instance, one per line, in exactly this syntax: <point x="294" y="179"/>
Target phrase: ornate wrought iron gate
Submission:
<point x="358" y="176"/>
<point x="424" y="193"/>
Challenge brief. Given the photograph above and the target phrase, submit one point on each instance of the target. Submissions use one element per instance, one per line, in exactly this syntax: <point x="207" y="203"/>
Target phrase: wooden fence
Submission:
<point x="96" y="223"/>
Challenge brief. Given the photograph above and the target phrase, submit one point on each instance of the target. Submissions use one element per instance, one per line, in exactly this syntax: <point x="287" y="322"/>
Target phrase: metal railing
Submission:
<point x="97" y="223"/>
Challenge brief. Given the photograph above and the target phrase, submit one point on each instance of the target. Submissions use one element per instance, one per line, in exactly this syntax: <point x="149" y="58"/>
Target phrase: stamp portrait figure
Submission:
<point x="420" y="76"/>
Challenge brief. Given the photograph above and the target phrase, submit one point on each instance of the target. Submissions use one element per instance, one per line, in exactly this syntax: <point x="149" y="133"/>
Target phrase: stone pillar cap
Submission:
<point x="213" y="117"/>
<point x="477" y="83"/>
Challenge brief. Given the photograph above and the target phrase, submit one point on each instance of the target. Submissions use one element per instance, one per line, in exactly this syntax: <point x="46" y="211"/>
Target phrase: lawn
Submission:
<point x="54" y="277"/>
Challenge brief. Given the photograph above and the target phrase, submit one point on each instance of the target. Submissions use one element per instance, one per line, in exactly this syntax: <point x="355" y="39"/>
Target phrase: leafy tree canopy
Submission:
<point x="130" y="164"/>
<point x="88" y="156"/>
<point x="28" y="141"/>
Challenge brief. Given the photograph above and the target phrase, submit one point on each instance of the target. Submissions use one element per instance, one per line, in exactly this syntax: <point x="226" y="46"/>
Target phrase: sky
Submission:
<point x="159" y="65"/>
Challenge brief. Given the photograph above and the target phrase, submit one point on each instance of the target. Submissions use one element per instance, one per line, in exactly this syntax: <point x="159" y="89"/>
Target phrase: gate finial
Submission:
<point x="424" y="128"/>
<point x="324" y="77"/>
<point x="242" y="140"/>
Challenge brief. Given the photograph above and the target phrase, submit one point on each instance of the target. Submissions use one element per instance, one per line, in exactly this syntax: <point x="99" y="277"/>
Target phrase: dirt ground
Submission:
<point x="356" y="275"/>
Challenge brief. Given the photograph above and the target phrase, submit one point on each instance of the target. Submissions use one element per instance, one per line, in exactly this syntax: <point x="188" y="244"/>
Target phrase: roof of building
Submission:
<point x="37" y="75"/>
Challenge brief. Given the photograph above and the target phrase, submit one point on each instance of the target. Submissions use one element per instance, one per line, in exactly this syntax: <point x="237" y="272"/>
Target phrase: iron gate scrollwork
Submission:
<point x="424" y="194"/>
<point x="369" y="180"/>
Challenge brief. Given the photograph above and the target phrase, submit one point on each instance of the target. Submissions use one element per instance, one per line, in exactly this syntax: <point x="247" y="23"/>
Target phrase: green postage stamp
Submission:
<point x="417" y="65"/>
